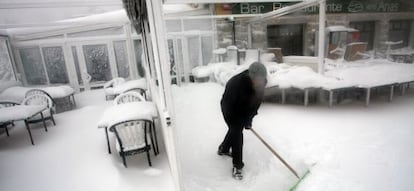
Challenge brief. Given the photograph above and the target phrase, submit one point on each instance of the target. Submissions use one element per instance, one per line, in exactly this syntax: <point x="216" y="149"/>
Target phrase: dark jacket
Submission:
<point x="240" y="101"/>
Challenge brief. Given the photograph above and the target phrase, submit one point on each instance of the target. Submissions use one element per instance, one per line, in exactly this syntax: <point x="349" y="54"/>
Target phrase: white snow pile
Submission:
<point x="340" y="74"/>
<point x="301" y="77"/>
<point x="17" y="93"/>
<point x="373" y="73"/>
<point x="126" y="112"/>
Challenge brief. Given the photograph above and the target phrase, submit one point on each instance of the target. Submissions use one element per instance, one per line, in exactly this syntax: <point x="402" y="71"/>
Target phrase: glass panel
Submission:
<point x="138" y="56"/>
<point x="76" y="61"/>
<point x="173" y="66"/>
<point x="198" y="24"/>
<point x="194" y="51"/>
<point x="33" y="66"/>
<point x="55" y="65"/>
<point x="173" y="25"/>
<point x="99" y="32"/>
<point x="97" y="62"/>
<point x="207" y="49"/>
<point x="180" y="58"/>
<point x="6" y="70"/>
<point x="121" y="57"/>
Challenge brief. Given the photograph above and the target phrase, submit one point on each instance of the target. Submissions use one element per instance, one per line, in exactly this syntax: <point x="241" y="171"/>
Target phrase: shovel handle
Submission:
<point x="275" y="153"/>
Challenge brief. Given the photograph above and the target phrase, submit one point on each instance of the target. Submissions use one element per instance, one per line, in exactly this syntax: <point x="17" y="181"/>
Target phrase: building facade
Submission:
<point x="377" y="21"/>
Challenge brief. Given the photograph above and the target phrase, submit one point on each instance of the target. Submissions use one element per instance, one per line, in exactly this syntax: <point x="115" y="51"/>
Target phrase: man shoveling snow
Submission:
<point x="239" y="104"/>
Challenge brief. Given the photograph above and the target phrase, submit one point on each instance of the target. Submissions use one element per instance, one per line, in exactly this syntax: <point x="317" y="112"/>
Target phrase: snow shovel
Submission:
<point x="294" y="172"/>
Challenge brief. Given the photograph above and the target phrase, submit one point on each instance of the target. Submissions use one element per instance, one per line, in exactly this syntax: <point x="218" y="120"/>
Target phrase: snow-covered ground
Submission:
<point x="73" y="156"/>
<point x="355" y="148"/>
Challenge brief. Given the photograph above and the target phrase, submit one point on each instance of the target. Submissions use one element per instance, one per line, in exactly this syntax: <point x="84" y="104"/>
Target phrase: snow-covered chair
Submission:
<point x="128" y="97"/>
<point x="131" y="138"/>
<point x="47" y="114"/>
<point x="132" y="96"/>
<point x="4" y="125"/>
<point x="108" y="87"/>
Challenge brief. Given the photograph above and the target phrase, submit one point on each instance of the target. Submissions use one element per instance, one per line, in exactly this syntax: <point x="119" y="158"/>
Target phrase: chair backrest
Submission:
<point x="38" y="99"/>
<point x="40" y="92"/>
<point x="131" y="135"/>
<point x="141" y="91"/>
<point x="128" y="97"/>
<point x="354" y="51"/>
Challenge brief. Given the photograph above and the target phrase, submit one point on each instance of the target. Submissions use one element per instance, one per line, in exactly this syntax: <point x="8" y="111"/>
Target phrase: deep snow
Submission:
<point x="356" y="148"/>
<point x="73" y="156"/>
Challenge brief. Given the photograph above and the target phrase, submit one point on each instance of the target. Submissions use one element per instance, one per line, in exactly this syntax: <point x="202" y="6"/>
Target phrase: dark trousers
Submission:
<point x="234" y="140"/>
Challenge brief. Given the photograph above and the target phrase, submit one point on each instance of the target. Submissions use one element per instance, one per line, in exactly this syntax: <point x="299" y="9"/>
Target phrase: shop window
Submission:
<point x="366" y="31"/>
<point x="121" y="57"/>
<point x="400" y="31"/>
<point x="55" y="65"/>
<point x="33" y="66"/>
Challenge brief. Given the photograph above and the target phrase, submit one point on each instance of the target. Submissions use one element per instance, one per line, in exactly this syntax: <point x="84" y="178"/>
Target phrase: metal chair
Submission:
<point x="132" y="138"/>
<point x="133" y="96"/>
<point x="40" y="99"/>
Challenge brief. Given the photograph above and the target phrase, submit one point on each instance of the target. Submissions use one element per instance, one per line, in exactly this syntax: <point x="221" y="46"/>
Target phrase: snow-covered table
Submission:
<point x="21" y="112"/>
<point x="18" y="93"/>
<point x="127" y="112"/>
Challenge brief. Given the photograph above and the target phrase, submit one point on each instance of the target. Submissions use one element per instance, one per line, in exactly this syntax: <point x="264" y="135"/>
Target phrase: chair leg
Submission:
<point x="30" y="133"/>
<point x="124" y="160"/>
<point x="7" y="131"/>
<point x="155" y="136"/>
<point x="107" y="140"/>
<point x="53" y="119"/>
<point x="152" y="139"/>
<point x="43" y="120"/>
<point x="74" y="102"/>
<point x="149" y="158"/>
